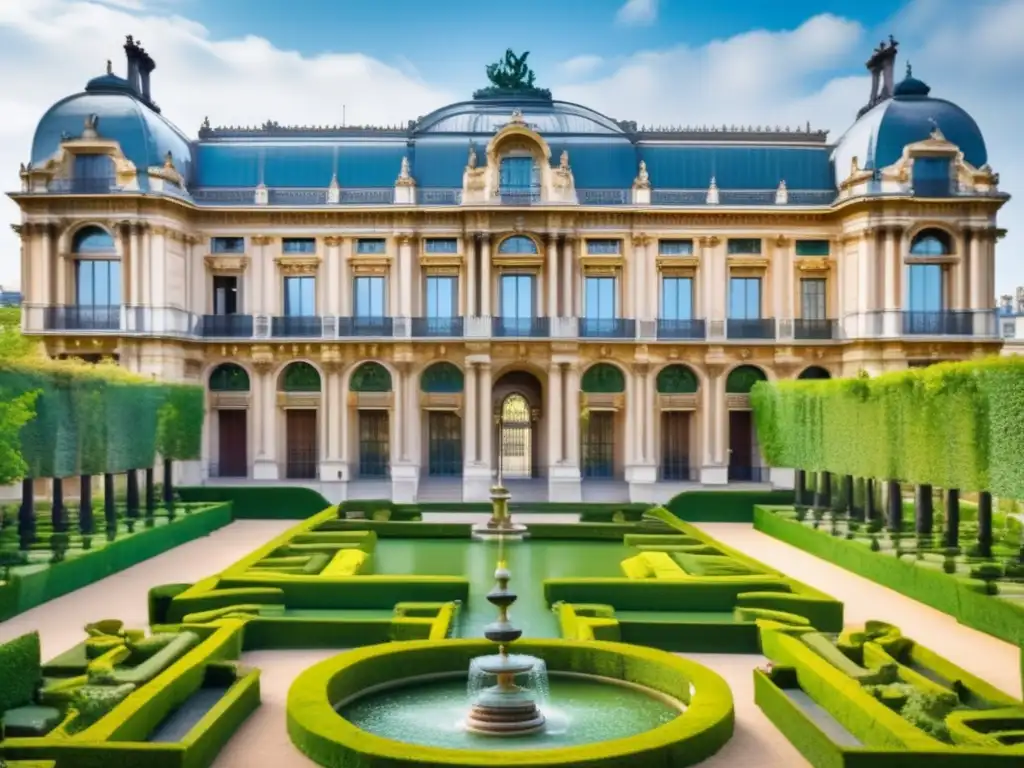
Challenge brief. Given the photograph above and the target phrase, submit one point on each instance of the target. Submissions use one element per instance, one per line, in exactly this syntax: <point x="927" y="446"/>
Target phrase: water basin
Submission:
<point x="579" y="710"/>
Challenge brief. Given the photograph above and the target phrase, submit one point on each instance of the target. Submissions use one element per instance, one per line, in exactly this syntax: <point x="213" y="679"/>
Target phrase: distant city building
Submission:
<point x="9" y="298"/>
<point x="511" y="284"/>
<point x="1011" y="322"/>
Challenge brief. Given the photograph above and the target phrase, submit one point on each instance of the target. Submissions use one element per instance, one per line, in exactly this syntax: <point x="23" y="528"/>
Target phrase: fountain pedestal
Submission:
<point x="500" y="523"/>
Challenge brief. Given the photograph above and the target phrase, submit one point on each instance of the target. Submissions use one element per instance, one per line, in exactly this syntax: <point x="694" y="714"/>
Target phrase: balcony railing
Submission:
<point x="437" y="327"/>
<point x="306" y="327"/>
<point x="681" y="329"/>
<point x="226" y="326"/>
<point x="814" y="330"/>
<point x="519" y="196"/>
<point x="83" y="318"/>
<point x="943" y="323"/>
<point x="366" y="326"/>
<point x="750" y="328"/>
<point x="521" y="327"/>
<point x="607" y="328"/>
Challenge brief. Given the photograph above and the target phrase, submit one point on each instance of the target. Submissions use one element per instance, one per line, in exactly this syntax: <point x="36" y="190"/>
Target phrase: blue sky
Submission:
<point x="681" y="62"/>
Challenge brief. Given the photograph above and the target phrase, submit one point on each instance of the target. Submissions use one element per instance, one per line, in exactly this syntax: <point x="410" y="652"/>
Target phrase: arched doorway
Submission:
<point x="600" y="420"/>
<point x="744" y="455"/>
<point x="300" y="382"/>
<point x="374" y="422"/>
<point x="677" y="384"/>
<point x="516" y="403"/>
<point x="814" y="372"/>
<point x="231" y="421"/>
<point x="444" y="425"/>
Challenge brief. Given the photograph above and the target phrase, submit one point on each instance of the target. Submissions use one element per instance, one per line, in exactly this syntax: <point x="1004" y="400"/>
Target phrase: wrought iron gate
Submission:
<point x="598" y="447"/>
<point x="515" y="446"/>
<point x="374" y="444"/>
<point x="675" y="445"/>
<point x="445" y="443"/>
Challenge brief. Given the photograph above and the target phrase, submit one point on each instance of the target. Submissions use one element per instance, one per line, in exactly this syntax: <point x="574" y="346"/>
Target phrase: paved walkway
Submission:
<point x="991" y="659"/>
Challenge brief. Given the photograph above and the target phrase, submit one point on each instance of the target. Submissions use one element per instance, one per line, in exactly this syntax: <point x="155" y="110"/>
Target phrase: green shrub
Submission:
<point x="20" y="671"/>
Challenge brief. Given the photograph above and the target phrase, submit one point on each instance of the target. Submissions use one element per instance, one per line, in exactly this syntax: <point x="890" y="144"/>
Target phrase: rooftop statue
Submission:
<point x="511" y="76"/>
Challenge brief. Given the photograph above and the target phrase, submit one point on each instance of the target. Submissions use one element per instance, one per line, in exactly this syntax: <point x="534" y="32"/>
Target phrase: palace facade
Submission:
<point x="511" y="283"/>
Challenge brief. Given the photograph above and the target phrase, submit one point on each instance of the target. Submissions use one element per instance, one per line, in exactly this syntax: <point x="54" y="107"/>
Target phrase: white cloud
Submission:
<point x="965" y="51"/>
<point x="638" y="12"/>
<point x="581" y="66"/>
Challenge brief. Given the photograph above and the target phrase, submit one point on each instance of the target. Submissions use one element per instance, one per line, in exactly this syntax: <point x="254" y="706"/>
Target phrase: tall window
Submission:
<point x="369" y="296"/>
<point x="599" y="297"/>
<point x="677" y="298"/>
<point x="925" y="288"/>
<point x="518" y="174"/>
<point x="93" y="174"/>
<point x="300" y="296"/>
<point x="517" y="296"/>
<point x="813" y="305"/>
<point x="442" y="296"/>
<point x="98" y="283"/>
<point x="933" y="177"/>
<point x="225" y="294"/>
<point x="745" y="298"/>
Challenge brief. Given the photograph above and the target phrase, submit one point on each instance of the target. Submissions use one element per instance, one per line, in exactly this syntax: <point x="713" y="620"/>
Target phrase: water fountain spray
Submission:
<point x="505" y="709"/>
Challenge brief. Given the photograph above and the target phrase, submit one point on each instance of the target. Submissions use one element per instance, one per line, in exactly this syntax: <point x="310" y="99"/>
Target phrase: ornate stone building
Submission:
<point x="510" y="282"/>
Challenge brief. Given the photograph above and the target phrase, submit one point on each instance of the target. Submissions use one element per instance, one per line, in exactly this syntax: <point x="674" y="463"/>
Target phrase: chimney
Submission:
<point x="1020" y="300"/>
<point x="131" y="51"/>
<point x="888" y="67"/>
<point x="146" y="67"/>
<point x="881" y="66"/>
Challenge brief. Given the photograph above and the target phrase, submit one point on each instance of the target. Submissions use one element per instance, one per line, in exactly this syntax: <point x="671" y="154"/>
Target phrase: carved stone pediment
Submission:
<point x="298" y="265"/>
<point x="225" y="263"/>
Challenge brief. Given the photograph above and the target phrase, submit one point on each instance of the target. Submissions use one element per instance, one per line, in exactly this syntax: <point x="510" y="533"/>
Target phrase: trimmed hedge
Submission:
<point x="325" y="737"/>
<point x="258" y="502"/>
<point x="958" y="597"/>
<point x="40" y="585"/>
<point x="93" y="419"/>
<point x="952" y="425"/>
<point x="723" y="506"/>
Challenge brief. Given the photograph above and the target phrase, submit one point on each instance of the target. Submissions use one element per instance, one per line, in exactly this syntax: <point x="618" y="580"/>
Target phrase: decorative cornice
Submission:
<point x="710" y="241"/>
<point x="261" y="239"/>
<point x="333" y="241"/>
<point x="298" y="265"/>
<point x="224" y="263"/>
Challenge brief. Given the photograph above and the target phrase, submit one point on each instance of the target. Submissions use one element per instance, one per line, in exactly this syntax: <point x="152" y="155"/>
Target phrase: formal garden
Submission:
<point x="516" y="634"/>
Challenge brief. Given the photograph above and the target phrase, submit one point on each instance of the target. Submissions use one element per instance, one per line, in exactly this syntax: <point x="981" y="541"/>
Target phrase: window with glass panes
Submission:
<point x="369" y="296"/>
<point x="813" y="302"/>
<point x="517" y="296"/>
<point x="676" y="298"/>
<point x="300" y="296"/>
<point x="599" y="298"/>
<point x="442" y="296"/>
<point x="97" y="283"/>
<point x="745" y="298"/>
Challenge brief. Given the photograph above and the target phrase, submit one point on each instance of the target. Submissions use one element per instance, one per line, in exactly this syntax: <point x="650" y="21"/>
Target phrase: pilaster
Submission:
<point x="265" y="465"/>
<point x="334" y="287"/>
<point x="978" y="278"/>
<point x="345" y="283"/>
<point x="891" y="300"/>
<point x="714" y="470"/>
<point x="551" y="273"/>
<point x="567" y="276"/>
<point x="486" y="286"/>
<point x="404" y="471"/>
<point x="564" y="477"/>
<point x="478" y="421"/>
<point x="554" y="417"/>
<point x="716" y="284"/>
<point x="405" y="306"/>
<point x="641" y="468"/>
<point x="332" y="468"/>
<point x="470" y="278"/>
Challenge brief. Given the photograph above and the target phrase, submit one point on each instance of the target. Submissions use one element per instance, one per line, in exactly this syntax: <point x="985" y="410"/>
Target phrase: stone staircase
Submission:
<point x="439" y="489"/>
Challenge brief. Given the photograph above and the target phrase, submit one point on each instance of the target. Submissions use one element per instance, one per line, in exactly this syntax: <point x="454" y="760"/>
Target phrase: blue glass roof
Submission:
<point x="737" y="167"/>
<point x="485" y="116"/>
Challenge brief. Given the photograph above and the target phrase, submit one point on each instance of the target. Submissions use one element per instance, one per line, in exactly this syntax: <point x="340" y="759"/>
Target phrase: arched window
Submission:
<point x="443" y="378"/>
<point x="229" y="377"/>
<point x="91" y="241"/>
<point x="814" y="372"/>
<point x="515" y="410"/>
<point x="931" y="242"/>
<point x="517" y="244"/>
<point x="677" y="380"/>
<point x="300" y="377"/>
<point x="742" y="379"/>
<point x="370" y="377"/>
<point x="603" y="378"/>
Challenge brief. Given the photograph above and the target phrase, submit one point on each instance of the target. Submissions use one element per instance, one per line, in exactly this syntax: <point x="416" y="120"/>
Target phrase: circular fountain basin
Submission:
<point x="581" y="710"/>
<point x="511" y="532"/>
<point x="406" y="703"/>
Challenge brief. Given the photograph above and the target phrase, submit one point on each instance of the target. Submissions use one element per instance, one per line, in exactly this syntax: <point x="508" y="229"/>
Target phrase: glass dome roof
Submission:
<point x="486" y="116"/>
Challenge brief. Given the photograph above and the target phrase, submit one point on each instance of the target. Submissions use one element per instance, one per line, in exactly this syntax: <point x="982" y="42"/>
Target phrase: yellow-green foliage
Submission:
<point x="348" y="562"/>
<point x="953" y="425"/>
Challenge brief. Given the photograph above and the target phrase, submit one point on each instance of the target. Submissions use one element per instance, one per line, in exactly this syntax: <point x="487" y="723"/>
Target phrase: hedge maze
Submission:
<point x="175" y="695"/>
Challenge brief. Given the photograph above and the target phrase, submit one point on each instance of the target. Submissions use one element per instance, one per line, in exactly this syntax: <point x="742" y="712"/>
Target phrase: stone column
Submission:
<point x="891" y="298"/>
<point x="632" y="274"/>
<point x="332" y="276"/>
<point x="405" y="306"/>
<point x="716" y="284"/>
<point x="344" y="419"/>
<point x="470" y="416"/>
<point x="568" y="259"/>
<point x="715" y="469"/>
<point x="265" y="467"/>
<point x="572" y="415"/>
<point x="134" y="297"/>
<point x="486" y="285"/>
<point x="962" y="272"/>
<point x="62" y="265"/>
<point x="345" y="283"/>
<point x="394" y="277"/>
<point x="978" y="278"/>
<point x="552" y="276"/>
<point x="332" y="468"/>
<point x="272" y="288"/>
<point x="486" y="415"/>
<point x="649" y="418"/>
<point x="471" y="291"/>
<point x="779" y="278"/>
<point x="146" y="268"/>
<point x="554" y="415"/>
<point x="867" y="279"/>
<point x="577" y="279"/>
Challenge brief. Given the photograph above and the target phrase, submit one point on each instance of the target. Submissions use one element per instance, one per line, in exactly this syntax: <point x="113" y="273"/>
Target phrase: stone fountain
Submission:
<point x="500" y="525"/>
<point x="504" y="709"/>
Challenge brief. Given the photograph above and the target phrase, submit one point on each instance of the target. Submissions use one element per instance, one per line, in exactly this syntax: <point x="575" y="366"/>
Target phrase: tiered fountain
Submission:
<point x="505" y="709"/>
<point x="500" y="525"/>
